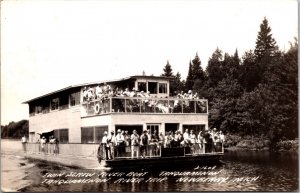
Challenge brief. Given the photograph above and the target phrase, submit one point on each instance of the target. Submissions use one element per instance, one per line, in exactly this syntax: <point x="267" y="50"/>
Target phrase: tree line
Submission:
<point x="256" y="94"/>
<point x="15" y="130"/>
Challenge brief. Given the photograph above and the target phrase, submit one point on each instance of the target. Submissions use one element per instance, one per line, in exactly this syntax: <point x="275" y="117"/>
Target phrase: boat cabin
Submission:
<point x="80" y="114"/>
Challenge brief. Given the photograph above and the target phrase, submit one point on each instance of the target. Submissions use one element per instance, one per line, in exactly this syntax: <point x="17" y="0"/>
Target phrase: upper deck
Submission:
<point x="142" y="105"/>
<point x="135" y="94"/>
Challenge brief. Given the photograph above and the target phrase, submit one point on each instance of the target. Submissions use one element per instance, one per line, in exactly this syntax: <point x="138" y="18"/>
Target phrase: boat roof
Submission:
<point x="98" y="82"/>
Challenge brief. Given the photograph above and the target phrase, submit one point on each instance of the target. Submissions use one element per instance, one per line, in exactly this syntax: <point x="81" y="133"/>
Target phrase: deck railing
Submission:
<point x="85" y="150"/>
<point x="148" y="151"/>
<point x="144" y="105"/>
<point x="157" y="150"/>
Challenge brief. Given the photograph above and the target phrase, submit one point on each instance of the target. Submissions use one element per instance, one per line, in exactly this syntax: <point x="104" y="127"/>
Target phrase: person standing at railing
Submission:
<point x="24" y="142"/>
<point x="43" y="144"/>
<point x="144" y="143"/>
<point x="193" y="141"/>
<point x="104" y="146"/>
<point x="200" y="141"/>
<point x="51" y="144"/>
<point x="127" y="143"/>
<point x="215" y="139"/>
<point x="161" y="140"/>
<point x="169" y="139"/>
<point x="177" y="139"/>
<point x="99" y="92"/>
<point x="135" y="144"/>
<point x="111" y="141"/>
<point x="120" y="143"/>
<point x="154" y="143"/>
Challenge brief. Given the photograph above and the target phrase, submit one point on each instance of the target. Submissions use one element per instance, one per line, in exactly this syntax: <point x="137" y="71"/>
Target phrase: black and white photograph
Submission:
<point x="149" y="96"/>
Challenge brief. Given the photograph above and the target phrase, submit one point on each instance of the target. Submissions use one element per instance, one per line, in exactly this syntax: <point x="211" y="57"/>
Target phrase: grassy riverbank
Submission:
<point x="234" y="142"/>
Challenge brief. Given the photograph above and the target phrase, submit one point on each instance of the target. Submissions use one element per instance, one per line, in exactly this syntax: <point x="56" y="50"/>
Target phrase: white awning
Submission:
<point x="44" y="131"/>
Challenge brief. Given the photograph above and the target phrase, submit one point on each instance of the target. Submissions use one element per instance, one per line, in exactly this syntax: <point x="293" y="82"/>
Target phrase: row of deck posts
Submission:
<point x="153" y="152"/>
<point x="107" y="106"/>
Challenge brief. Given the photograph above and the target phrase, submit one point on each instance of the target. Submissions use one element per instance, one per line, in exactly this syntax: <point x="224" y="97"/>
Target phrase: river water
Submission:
<point x="238" y="171"/>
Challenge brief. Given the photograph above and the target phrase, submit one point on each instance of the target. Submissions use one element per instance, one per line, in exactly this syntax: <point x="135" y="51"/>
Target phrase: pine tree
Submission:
<point x="189" y="80"/>
<point x="197" y="72"/>
<point x="214" y="68"/>
<point x="265" y="43"/>
<point x="176" y="85"/>
<point x="168" y="72"/>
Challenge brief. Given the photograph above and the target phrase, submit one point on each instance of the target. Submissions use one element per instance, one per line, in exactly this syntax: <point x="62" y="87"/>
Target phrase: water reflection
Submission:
<point x="275" y="172"/>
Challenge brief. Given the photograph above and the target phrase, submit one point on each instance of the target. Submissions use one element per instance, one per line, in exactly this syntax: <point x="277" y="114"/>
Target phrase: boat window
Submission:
<point x="87" y="135"/>
<point x="92" y="134"/>
<point x="152" y="87"/>
<point x="74" y="98"/>
<point x="196" y="128"/>
<point x="162" y="88"/>
<point x="99" y="133"/>
<point x="54" y="104"/>
<point x="62" y="135"/>
<point x="142" y="86"/>
<point x="38" y="109"/>
<point x="64" y="101"/>
<point x="130" y="128"/>
<point x="151" y="128"/>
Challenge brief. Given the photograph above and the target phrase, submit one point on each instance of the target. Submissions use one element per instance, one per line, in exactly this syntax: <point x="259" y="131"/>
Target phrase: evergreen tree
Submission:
<point x="197" y="72"/>
<point x="248" y="71"/>
<point x="214" y="68"/>
<point x="266" y="50"/>
<point x="168" y="72"/>
<point x="189" y="80"/>
<point x="176" y="85"/>
<point x="265" y="43"/>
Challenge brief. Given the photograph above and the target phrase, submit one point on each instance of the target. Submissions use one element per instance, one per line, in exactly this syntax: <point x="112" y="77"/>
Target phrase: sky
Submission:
<point x="47" y="45"/>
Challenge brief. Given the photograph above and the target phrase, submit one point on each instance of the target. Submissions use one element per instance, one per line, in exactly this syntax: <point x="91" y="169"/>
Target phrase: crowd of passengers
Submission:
<point x="105" y="91"/>
<point x="125" y="145"/>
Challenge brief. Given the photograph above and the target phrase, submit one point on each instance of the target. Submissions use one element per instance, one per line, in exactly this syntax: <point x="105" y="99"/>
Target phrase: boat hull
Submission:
<point x="193" y="160"/>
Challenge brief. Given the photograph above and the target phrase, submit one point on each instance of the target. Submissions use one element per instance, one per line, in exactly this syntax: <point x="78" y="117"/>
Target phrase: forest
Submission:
<point x="15" y="130"/>
<point x="254" y="95"/>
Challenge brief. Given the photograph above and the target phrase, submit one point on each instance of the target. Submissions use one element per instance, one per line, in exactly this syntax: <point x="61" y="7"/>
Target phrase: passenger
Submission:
<point x="186" y="137"/>
<point x="177" y="139"/>
<point x="105" y="146"/>
<point x="127" y="138"/>
<point x="154" y="143"/>
<point x="134" y="144"/>
<point x="56" y="146"/>
<point x="141" y="94"/>
<point x="90" y="94"/>
<point x="196" y="96"/>
<point x="222" y="137"/>
<point x="99" y="92"/>
<point x="85" y="94"/>
<point x="200" y="141"/>
<point x="144" y="143"/>
<point x="111" y="140"/>
<point x="24" y="141"/>
<point x="215" y="139"/>
<point x="43" y="144"/>
<point x="193" y="141"/>
<point x="192" y="137"/>
<point x="180" y="137"/>
<point x="161" y="140"/>
<point x="105" y="88"/>
<point x="126" y="93"/>
<point x="120" y="143"/>
<point x="169" y="139"/>
<point x="190" y="94"/>
<point x="133" y="93"/>
<point x="52" y="144"/>
<point x="127" y="143"/>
